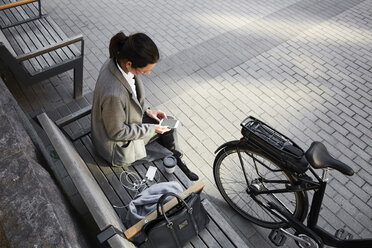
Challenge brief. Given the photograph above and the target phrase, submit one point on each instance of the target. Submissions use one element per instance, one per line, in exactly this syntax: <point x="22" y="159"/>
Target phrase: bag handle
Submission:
<point x="162" y="199"/>
<point x="161" y="204"/>
<point x="169" y="223"/>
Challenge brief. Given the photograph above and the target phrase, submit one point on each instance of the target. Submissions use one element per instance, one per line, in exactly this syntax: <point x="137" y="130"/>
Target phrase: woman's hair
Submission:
<point x="137" y="48"/>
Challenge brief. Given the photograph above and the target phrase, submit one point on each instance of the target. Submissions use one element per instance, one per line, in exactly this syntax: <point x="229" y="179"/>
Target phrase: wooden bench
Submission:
<point x="34" y="49"/>
<point x="96" y="186"/>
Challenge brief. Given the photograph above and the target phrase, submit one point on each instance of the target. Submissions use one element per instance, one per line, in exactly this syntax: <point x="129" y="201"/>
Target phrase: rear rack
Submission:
<point x="262" y="134"/>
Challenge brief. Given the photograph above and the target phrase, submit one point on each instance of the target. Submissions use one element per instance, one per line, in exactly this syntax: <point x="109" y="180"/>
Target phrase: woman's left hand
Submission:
<point x="156" y="114"/>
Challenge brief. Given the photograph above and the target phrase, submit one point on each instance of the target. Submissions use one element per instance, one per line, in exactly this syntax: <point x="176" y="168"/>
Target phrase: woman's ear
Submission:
<point x="128" y="64"/>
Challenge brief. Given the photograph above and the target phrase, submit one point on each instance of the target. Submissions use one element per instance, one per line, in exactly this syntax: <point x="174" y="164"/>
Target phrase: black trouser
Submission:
<point x="168" y="139"/>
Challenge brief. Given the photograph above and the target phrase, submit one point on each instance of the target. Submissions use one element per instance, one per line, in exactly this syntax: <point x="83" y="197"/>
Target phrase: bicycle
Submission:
<point x="264" y="177"/>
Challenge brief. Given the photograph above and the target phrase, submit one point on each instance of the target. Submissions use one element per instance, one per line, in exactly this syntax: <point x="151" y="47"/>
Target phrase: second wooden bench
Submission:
<point x="36" y="49"/>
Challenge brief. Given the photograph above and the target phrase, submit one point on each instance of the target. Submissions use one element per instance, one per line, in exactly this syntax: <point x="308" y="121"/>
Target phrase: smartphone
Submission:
<point x="171" y="123"/>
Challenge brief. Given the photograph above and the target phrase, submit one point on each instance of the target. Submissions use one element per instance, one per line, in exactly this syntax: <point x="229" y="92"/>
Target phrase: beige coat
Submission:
<point x="117" y="130"/>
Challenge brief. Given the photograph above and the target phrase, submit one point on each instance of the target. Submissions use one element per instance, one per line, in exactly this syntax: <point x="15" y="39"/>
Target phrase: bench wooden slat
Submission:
<point x="12" y="42"/>
<point x="31" y="10"/>
<point x="19" y="13"/>
<point x="54" y="36"/>
<point x="114" y="181"/>
<point x="198" y="242"/>
<point x="10" y="16"/>
<point x="14" y="4"/>
<point x="97" y="174"/>
<point x="13" y="15"/>
<point x="118" y="171"/>
<point x="20" y="46"/>
<point x="5" y="41"/>
<point x="125" y="194"/>
<point x="35" y="39"/>
<point x="222" y="223"/>
<point x="24" y="13"/>
<point x="62" y="35"/>
<point x="42" y="40"/>
<point x="43" y="61"/>
<point x="32" y="64"/>
<point x="218" y="235"/>
<point x="209" y="239"/>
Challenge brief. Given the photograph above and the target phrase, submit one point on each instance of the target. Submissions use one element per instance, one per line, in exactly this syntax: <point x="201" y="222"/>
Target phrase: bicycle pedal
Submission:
<point x="277" y="237"/>
<point x="343" y="235"/>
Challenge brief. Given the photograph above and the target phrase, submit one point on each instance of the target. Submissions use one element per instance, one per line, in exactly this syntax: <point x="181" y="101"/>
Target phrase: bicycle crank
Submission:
<point x="309" y="243"/>
<point x="301" y="240"/>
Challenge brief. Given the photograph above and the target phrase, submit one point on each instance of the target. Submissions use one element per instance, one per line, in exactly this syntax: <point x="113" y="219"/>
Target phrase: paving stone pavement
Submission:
<point x="303" y="66"/>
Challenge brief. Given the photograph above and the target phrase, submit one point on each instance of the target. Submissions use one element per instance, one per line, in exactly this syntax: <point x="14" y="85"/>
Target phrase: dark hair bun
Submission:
<point x="137" y="48"/>
<point x="116" y="42"/>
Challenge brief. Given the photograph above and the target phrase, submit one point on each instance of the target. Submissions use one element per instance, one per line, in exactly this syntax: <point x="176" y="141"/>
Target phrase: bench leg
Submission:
<point x="78" y="81"/>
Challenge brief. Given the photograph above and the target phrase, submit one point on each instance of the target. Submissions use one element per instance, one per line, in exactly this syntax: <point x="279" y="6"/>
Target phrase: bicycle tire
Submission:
<point x="225" y="172"/>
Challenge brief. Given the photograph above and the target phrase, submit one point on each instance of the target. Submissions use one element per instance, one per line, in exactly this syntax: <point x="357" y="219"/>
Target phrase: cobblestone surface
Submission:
<point x="304" y="66"/>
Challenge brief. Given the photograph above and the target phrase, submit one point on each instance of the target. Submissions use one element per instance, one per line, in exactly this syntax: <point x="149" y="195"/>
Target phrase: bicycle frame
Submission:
<point x="328" y="238"/>
<point x="311" y="229"/>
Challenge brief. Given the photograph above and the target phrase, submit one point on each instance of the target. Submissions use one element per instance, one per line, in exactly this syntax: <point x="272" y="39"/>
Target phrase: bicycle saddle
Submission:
<point x="318" y="157"/>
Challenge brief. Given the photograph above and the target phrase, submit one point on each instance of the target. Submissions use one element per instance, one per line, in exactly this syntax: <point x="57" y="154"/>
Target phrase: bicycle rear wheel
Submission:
<point x="232" y="184"/>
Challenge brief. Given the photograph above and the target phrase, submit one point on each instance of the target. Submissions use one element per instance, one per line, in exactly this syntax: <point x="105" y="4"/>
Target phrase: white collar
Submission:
<point x="130" y="79"/>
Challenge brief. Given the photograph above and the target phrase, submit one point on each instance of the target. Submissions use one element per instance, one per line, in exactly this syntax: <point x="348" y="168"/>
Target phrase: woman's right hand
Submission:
<point x="161" y="129"/>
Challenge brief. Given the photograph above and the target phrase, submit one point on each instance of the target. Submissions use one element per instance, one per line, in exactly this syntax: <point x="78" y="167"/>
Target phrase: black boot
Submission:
<point x="191" y="175"/>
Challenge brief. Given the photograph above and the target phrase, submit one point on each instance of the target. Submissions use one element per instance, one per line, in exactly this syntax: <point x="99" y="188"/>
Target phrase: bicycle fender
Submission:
<point x="228" y="144"/>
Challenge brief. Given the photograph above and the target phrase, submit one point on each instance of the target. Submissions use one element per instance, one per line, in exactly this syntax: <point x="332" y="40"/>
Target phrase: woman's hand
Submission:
<point x="156" y="115"/>
<point x="161" y="129"/>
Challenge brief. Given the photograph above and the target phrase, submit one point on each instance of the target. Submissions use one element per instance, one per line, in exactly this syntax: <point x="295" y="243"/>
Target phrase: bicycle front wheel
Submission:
<point x="232" y="182"/>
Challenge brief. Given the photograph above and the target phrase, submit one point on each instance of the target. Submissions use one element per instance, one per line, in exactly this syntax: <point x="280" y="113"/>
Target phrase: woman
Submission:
<point x="121" y="124"/>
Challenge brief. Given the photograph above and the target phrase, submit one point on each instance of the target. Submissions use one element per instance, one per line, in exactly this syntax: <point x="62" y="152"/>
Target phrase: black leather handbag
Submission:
<point x="177" y="226"/>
